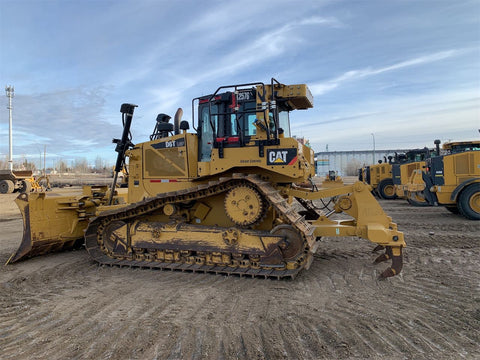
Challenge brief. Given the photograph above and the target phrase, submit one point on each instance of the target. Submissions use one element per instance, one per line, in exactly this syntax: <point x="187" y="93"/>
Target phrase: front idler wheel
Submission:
<point x="293" y="244"/>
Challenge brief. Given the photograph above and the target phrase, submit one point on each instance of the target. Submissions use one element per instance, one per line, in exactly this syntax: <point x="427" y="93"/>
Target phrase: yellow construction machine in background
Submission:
<point x="379" y="177"/>
<point x="332" y="179"/>
<point x="404" y="189"/>
<point x="21" y="181"/>
<point x="386" y="176"/>
<point x="228" y="198"/>
<point x="404" y="169"/>
<point x="451" y="180"/>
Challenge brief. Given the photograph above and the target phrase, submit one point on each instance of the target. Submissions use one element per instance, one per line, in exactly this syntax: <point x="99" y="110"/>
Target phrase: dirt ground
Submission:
<point x="64" y="306"/>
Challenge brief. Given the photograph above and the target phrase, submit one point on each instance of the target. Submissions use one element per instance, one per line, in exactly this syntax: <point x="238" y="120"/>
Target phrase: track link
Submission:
<point x="97" y="250"/>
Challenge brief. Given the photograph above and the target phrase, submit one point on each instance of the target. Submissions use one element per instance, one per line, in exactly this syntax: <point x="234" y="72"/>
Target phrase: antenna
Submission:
<point x="9" y="90"/>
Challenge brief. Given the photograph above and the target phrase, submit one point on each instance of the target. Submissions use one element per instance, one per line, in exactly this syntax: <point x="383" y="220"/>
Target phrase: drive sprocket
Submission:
<point x="244" y="205"/>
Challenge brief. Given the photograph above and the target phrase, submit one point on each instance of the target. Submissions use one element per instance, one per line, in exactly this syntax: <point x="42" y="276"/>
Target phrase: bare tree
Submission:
<point x="352" y="167"/>
<point x="62" y="166"/>
<point x="29" y="165"/>
<point x="81" y="165"/>
<point x="100" y="166"/>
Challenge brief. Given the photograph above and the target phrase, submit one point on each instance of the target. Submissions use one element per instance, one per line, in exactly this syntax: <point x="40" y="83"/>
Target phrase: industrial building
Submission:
<point x="346" y="162"/>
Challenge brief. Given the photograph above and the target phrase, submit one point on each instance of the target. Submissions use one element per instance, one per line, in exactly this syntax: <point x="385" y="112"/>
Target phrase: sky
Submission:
<point x="400" y="73"/>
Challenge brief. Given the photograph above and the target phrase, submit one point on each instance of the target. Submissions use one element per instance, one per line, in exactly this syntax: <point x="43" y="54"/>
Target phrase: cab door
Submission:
<point x="207" y="126"/>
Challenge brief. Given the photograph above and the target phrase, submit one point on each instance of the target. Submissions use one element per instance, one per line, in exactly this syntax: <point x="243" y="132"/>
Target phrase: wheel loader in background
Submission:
<point x="385" y="176"/>
<point x="403" y="170"/>
<point x="227" y="198"/>
<point x="379" y="177"/>
<point x="451" y="180"/>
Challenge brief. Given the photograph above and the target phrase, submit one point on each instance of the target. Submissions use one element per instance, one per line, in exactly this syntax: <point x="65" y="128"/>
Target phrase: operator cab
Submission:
<point x="418" y="154"/>
<point x="229" y="119"/>
<point x="412" y="155"/>
<point x="461" y="146"/>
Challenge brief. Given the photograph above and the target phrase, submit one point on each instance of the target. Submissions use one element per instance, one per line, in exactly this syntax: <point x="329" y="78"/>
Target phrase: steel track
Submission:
<point x="96" y="249"/>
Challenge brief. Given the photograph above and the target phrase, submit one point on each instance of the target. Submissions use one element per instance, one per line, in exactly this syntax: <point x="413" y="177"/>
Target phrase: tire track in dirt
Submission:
<point x="107" y="310"/>
<point x="65" y="306"/>
<point x="404" y="296"/>
<point x="307" y="338"/>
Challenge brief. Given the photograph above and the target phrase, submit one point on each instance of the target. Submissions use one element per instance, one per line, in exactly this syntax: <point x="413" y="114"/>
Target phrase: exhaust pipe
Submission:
<point x="437" y="146"/>
<point x="177" y="119"/>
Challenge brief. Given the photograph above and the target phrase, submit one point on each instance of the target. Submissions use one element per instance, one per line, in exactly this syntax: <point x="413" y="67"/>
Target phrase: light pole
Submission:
<point x="39" y="149"/>
<point x="9" y="90"/>
<point x="373" y="136"/>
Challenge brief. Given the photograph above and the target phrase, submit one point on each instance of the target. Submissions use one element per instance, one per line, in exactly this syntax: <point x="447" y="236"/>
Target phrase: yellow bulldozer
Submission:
<point x="227" y="198"/>
<point x="451" y="180"/>
<point x="332" y="179"/>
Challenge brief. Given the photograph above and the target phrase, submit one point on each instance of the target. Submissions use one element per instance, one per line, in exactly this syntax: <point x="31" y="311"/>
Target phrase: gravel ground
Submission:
<point x="63" y="305"/>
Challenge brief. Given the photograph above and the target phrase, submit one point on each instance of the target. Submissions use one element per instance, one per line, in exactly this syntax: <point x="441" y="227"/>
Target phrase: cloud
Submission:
<point x="238" y="48"/>
<point x="70" y="121"/>
<point x="257" y="47"/>
<point x="318" y="20"/>
<point x="321" y="88"/>
<point x="404" y="121"/>
<point x="162" y="54"/>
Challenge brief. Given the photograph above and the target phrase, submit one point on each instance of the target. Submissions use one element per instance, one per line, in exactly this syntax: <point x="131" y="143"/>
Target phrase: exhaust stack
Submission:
<point x="437" y="146"/>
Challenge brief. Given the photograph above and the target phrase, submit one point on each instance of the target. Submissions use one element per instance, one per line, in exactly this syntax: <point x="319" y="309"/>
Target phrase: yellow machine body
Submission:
<point x="411" y="183"/>
<point x="218" y="200"/>
<point x="332" y="179"/>
<point x="460" y="184"/>
<point x="406" y="171"/>
<point x="380" y="178"/>
<point x="21" y="181"/>
<point x="452" y="180"/>
<point x="379" y="172"/>
<point x="155" y="168"/>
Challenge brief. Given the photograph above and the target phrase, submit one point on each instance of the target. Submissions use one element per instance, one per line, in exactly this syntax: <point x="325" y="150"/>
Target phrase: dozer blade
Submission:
<point x="51" y="223"/>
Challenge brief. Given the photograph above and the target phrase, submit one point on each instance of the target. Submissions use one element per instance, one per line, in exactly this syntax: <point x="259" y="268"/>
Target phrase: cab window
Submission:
<point x="284" y="122"/>
<point x="206" y="138"/>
